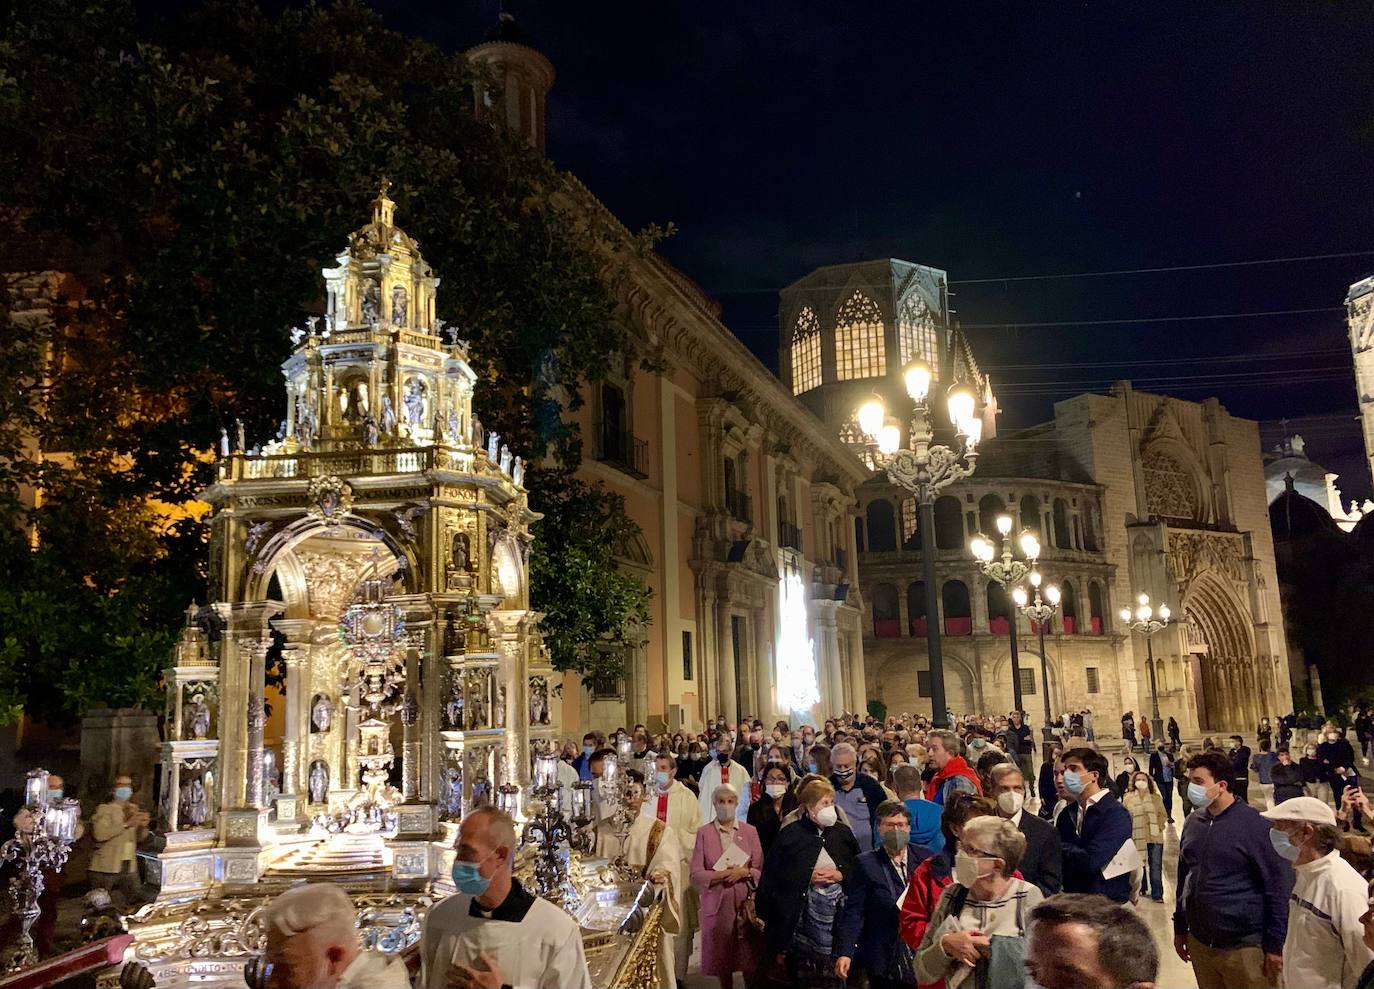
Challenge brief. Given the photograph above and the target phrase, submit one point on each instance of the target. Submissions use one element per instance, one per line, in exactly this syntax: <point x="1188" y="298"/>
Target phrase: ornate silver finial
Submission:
<point x="297" y="335"/>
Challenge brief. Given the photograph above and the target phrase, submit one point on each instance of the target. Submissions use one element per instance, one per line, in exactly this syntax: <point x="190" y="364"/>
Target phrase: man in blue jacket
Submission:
<point x="1232" y="911"/>
<point x="1093" y="828"/>
<point x="865" y="928"/>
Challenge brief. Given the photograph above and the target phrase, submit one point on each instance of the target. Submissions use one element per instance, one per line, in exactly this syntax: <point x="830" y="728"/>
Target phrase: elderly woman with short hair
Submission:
<point x="979" y="923"/>
<point x="312" y="943"/>
<point x="801" y="890"/>
<point x="724" y="885"/>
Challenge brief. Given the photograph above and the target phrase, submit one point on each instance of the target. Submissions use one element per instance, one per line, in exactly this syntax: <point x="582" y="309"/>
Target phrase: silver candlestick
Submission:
<point x="42" y="841"/>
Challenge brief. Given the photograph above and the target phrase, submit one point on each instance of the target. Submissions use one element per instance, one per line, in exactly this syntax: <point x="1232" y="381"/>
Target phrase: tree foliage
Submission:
<point x="195" y="184"/>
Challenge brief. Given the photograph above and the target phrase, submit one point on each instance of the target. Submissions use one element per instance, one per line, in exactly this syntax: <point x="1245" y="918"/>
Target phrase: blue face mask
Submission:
<point x="1197" y="795"/>
<point x="661" y="778"/>
<point x="54" y="795"/>
<point x="587" y="750"/>
<point x="1073" y="782"/>
<point x="811" y="767"/>
<point x="1283" y="845"/>
<point x="468" y="878"/>
<point x="123" y="792"/>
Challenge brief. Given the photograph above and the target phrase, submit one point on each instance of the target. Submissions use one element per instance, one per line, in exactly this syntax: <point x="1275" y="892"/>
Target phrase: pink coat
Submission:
<point x="721" y="952"/>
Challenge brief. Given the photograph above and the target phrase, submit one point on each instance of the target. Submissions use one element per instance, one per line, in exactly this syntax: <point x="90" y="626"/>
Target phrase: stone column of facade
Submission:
<point x="706" y="648"/>
<point x="765" y="699"/>
<point x="726" y="701"/>
<point x="857" y="677"/>
<point x="828" y="658"/>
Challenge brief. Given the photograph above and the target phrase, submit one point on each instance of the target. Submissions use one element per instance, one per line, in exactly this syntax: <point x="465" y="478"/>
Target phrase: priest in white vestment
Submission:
<point x="669" y="801"/>
<point x="713" y="775"/>
<point x="656" y="851"/>
<point x="492" y="932"/>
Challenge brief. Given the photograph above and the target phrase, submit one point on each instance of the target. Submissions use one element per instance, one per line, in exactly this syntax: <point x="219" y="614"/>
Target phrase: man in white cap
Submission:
<point x="1324" y="948"/>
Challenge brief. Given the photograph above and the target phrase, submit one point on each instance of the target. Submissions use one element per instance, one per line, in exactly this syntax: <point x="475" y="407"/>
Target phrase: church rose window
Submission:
<point x="859" y="348"/>
<point x="1169" y="491"/>
<point x="806" y="352"/>
<point x="916" y="334"/>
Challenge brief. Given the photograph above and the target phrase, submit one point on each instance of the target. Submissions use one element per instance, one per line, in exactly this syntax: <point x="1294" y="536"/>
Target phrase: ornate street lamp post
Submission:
<point x="924" y="468"/>
<point x="1148" y="621"/>
<point x="1007" y="572"/>
<point x="1040" y="613"/>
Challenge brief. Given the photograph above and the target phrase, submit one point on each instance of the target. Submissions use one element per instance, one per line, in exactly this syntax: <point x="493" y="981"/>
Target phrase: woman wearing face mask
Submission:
<point x="980" y="920"/>
<point x="1122" y="784"/>
<point x="801" y="890"/>
<point x="1148" y="822"/>
<point x="935" y="873"/>
<point x="726" y="864"/>
<point x="1316" y="782"/>
<point x="777" y="801"/>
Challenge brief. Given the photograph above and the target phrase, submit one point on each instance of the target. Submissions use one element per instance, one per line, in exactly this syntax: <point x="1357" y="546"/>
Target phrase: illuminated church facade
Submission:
<point x="1128" y="492"/>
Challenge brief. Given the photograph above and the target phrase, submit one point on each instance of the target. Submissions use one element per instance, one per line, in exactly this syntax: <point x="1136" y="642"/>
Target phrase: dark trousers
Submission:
<point x="1166" y="794"/>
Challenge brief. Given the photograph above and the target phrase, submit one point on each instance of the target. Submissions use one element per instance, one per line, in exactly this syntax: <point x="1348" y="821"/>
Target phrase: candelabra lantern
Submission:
<point x="615" y="786"/>
<point x="1040" y="613"/>
<point x="924" y="468"/>
<point x="508" y="799"/>
<point x="42" y="842"/>
<point x="1148" y="620"/>
<point x="1007" y="572"/>
<point x="551" y="832"/>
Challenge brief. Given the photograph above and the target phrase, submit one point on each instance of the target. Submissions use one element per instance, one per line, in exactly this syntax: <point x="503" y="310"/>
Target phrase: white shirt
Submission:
<point x="1083" y="808"/>
<point x="1016" y="819"/>
<point x="1325" y="946"/>
<point x="374" y="970"/>
<point x="542" y="951"/>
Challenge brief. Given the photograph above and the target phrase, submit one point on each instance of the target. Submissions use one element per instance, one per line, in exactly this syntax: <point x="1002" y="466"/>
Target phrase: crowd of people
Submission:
<point x="900" y="854"/>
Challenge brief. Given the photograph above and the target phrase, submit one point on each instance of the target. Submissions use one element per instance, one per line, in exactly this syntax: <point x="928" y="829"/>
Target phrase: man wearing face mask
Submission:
<point x="1239" y="754"/>
<point x="1231" y="914"/>
<point x="721" y="769"/>
<point x="863" y="933"/>
<point x="492" y="932"/>
<point x="583" y="762"/>
<point x="1324" y="947"/>
<point x="1093" y="828"/>
<point x="856" y="794"/>
<point x="1042" y="862"/>
<point x="1337" y="757"/>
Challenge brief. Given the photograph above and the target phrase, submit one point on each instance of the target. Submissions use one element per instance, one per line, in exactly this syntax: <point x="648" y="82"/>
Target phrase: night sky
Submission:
<point x="998" y="141"/>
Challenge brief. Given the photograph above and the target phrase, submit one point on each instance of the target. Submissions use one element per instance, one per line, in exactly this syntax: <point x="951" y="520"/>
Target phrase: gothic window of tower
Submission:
<point x="806" y="351"/>
<point x="860" y="350"/>
<point x="916" y="334"/>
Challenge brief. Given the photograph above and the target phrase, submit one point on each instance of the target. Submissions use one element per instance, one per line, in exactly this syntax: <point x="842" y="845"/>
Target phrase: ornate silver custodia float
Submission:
<point x="373" y="557"/>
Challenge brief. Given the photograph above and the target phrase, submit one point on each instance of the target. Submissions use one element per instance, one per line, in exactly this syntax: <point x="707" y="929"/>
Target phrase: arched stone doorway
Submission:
<point x="1227" y="684"/>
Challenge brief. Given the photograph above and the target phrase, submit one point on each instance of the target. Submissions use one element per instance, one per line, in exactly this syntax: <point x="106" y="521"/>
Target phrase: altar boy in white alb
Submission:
<point x="492" y="932"/>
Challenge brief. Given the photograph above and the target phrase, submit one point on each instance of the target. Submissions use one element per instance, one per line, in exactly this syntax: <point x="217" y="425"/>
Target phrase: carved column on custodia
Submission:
<point x="297" y="722"/>
<point x="410" y="747"/>
<point x="257" y="721"/>
<point x="508" y="629"/>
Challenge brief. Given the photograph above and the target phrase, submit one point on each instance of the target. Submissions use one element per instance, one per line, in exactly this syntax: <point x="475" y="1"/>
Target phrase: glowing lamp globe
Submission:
<point x="1035" y="578"/>
<point x="871" y="417"/>
<point x="1143" y="599"/>
<point x="1143" y="613"/>
<point x="1030" y="544"/>
<point x="889" y="438"/>
<point x="1052" y="593"/>
<point x="917" y="377"/>
<point x="1164" y="612"/>
<point x="1019" y="596"/>
<point x="973" y="432"/>
<point x="1004" y="524"/>
<point x="981" y="547"/>
<point x="961" y="402"/>
<point x="1126" y="615"/>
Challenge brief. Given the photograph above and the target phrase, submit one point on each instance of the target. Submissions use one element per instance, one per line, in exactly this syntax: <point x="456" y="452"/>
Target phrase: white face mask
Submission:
<point x="725" y="813"/>
<point x="1141" y="785"/>
<point x="826" y="816"/>
<point x="775" y="790"/>
<point x="966" y="871"/>
<point x="1010" y="801"/>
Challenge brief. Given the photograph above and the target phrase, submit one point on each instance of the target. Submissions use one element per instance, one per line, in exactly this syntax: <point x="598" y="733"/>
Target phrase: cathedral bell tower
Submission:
<point x="523" y="78"/>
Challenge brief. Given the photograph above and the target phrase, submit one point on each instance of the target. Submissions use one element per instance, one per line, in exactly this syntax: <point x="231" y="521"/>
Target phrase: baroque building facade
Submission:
<point x="1128" y="492"/>
<point x="745" y="501"/>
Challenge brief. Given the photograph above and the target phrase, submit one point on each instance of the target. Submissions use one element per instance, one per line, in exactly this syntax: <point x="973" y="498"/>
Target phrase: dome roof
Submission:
<point x="505" y="29"/>
<point x="1292" y="516"/>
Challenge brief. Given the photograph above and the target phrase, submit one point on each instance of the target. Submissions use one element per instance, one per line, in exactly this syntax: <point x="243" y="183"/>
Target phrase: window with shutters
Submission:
<point x="1092" y="679"/>
<point x="1027" y="681"/>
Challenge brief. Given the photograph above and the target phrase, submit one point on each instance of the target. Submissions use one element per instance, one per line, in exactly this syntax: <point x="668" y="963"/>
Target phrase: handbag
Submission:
<point x="747" y="922"/>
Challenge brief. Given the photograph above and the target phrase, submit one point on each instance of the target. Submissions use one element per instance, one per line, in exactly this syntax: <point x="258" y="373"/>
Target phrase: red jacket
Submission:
<point x="955" y="767"/>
